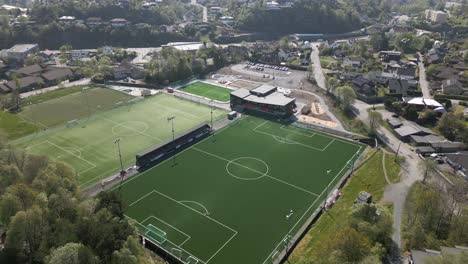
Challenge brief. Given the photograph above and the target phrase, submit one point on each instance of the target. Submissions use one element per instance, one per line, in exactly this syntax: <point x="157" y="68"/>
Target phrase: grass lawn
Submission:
<point x="50" y="95"/>
<point x="88" y="145"/>
<point x="208" y="90"/>
<point x="13" y="126"/>
<point x="393" y="168"/>
<point x="370" y="178"/>
<point x="224" y="199"/>
<point x="77" y="105"/>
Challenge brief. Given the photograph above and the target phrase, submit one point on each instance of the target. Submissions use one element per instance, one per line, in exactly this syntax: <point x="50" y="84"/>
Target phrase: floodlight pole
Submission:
<point x="398" y="150"/>
<point x="211" y="105"/>
<point x="288" y="218"/>
<point x="171" y="119"/>
<point x="122" y="171"/>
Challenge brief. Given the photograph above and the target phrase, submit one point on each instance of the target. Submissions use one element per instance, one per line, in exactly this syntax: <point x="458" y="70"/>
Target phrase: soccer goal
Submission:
<point x="155" y="234"/>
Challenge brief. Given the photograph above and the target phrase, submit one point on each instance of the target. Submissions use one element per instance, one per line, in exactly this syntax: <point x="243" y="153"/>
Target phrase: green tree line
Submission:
<point x="44" y="218"/>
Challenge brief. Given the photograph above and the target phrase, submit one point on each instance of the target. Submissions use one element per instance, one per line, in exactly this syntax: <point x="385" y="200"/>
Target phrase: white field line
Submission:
<point x="328" y="145"/>
<point x="134" y="220"/>
<point x="208" y="217"/>
<point x="139" y="132"/>
<point x="197" y="203"/>
<point x="308" y="209"/>
<point x="299" y="133"/>
<point x="261" y="173"/>
<point x="73" y="154"/>
<point x="175" y="228"/>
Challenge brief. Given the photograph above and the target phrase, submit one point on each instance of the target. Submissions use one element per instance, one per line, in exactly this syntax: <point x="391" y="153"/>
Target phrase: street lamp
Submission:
<point x="288" y="218"/>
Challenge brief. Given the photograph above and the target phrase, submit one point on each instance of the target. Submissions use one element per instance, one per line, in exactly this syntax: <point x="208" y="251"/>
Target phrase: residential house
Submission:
<point x="354" y="62"/>
<point x="422" y="103"/>
<point x="46" y="55"/>
<point x="282" y="55"/>
<point x="272" y="5"/>
<point x="79" y="54"/>
<point x="34" y="69"/>
<point x="227" y="20"/>
<point x="119" y="23"/>
<point x="434" y="56"/>
<point x="26" y="83"/>
<point x="107" y="50"/>
<point x="19" y="52"/>
<point x="93" y="22"/>
<point x="364" y="86"/>
<point x="408" y="73"/>
<point x="167" y="29"/>
<point x="67" y="20"/>
<point x="216" y="10"/>
<point x="338" y="43"/>
<point x="57" y="75"/>
<point x="453" y="87"/>
<point x="409" y="129"/>
<point x="436" y="16"/>
<point x="388" y="56"/>
<point x="123" y="71"/>
<point x="398" y="86"/>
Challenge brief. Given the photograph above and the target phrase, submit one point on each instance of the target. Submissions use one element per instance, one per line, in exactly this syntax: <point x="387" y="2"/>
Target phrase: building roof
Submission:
<point x="119" y="20"/>
<point x="263" y="89"/>
<point x="422" y="257"/>
<point x="22" y="47"/>
<point x="448" y="144"/>
<point x="424" y="149"/>
<point x="394" y="122"/>
<point x="410" y="128"/>
<point x="408" y="71"/>
<point x="274" y="98"/>
<point x="4" y="88"/>
<point x="424" y="102"/>
<point x="24" y="82"/>
<point x="29" y="69"/>
<point x="451" y="82"/>
<point x="459" y="158"/>
<point x="185" y="46"/>
<point x="426" y="139"/>
<point x="57" y="74"/>
<point x="241" y="93"/>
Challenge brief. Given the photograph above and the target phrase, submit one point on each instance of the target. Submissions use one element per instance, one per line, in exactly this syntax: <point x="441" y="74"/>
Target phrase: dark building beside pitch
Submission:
<point x="263" y="99"/>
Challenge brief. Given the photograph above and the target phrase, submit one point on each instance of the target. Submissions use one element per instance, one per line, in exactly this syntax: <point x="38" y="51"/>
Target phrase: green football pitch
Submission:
<point x="74" y="106"/>
<point x="207" y="90"/>
<point x="225" y="199"/>
<point x="88" y="144"/>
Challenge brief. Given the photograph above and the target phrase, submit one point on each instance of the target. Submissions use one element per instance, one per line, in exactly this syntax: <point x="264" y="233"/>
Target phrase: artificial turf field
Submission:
<point x="208" y="90"/>
<point x="225" y="199"/>
<point x="88" y="146"/>
<point x="73" y="106"/>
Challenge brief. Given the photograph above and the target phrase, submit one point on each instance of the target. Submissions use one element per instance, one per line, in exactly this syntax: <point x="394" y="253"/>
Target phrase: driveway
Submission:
<point x="423" y="83"/>
<point x="318" y="71"/>
<point x="395" y="193"/>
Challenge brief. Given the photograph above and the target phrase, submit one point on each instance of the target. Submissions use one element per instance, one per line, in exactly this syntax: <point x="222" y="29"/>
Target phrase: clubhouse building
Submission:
<point x="264" y="99"/>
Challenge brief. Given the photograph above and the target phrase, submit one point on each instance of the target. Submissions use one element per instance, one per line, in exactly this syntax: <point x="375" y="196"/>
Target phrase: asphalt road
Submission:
<point x="423" y="83"/>
<point x="318" y="71"/>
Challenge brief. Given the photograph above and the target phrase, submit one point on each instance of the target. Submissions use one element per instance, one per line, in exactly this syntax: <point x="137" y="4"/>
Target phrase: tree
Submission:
<point x="332" y="83"/>
<point x="352" y="246"/>
<point x="411" y="112"/>
<point x="375" y="120"/>
<point x="450" y="126"/>
<point x="71" y="253"/>
<point x="448" y="258"/>
<point x="429" y="167"/>
<point x="346" y="97"/>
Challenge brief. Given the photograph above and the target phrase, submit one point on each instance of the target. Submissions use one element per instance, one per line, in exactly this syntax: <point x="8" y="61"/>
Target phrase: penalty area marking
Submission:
<point x="187" y="237"/>
<point x="235" y="232"/>
<point x="206" y="213"/>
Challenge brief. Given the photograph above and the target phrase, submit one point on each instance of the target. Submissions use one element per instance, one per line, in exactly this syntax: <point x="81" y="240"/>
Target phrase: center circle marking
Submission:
<point x="234" y="161"/>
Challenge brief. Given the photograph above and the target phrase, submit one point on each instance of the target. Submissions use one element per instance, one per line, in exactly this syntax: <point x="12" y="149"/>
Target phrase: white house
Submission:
<point x="107" y="50"/>
<point x="271" y="5"/>
<point x="119" y="22"/>
<point x="67" y="20"/>
<point x="79" y="54"/>
<point x="283" y="56"/>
